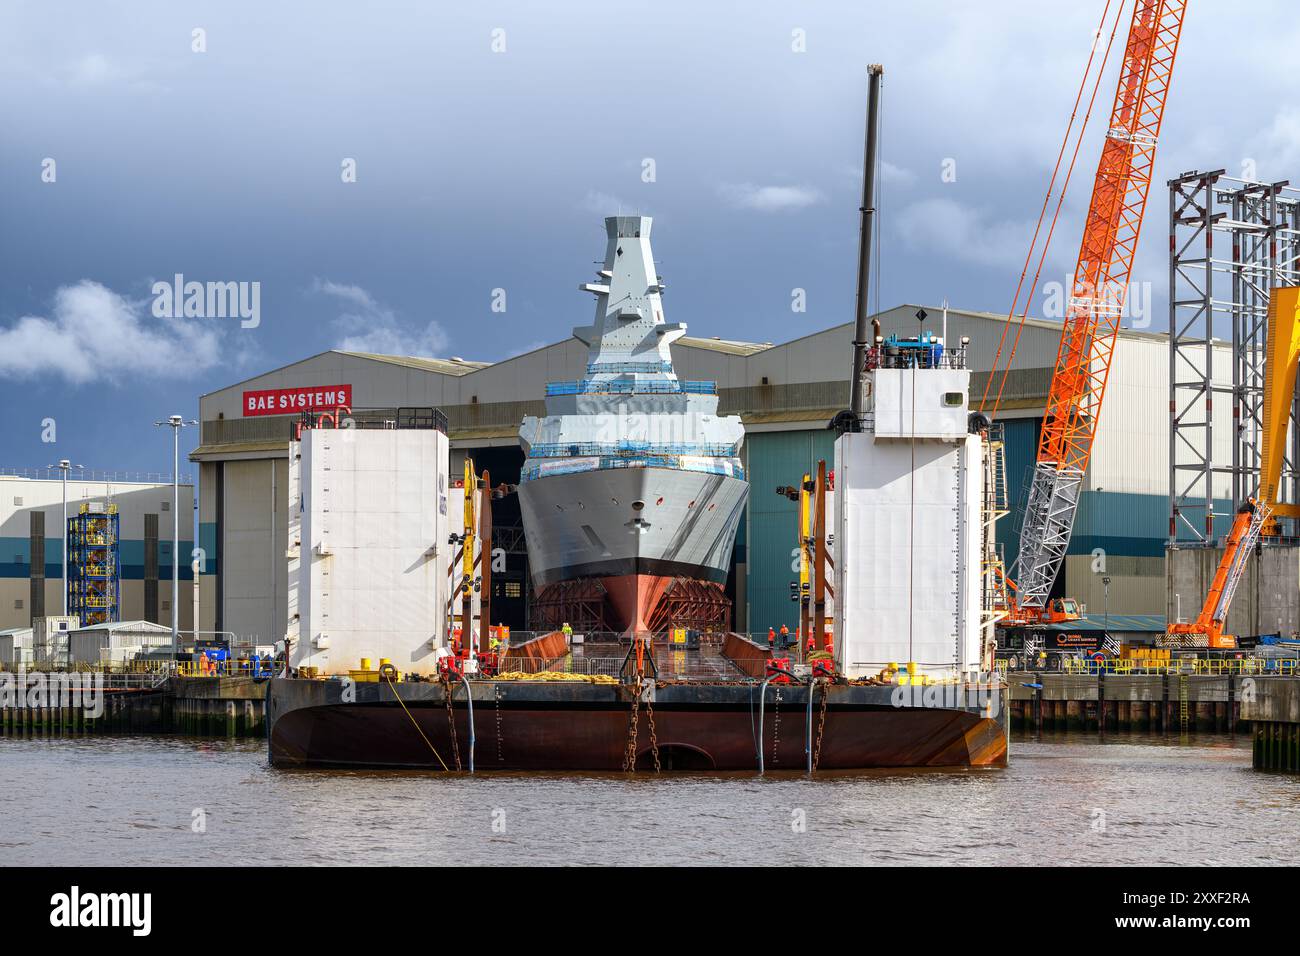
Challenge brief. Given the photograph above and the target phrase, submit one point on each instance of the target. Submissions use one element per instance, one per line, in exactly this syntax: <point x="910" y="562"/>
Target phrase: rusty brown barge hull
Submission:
<point x="554" y="726"/>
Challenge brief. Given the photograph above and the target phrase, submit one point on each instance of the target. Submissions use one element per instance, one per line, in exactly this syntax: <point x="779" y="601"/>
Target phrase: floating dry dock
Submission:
<point x="705" y="713"/>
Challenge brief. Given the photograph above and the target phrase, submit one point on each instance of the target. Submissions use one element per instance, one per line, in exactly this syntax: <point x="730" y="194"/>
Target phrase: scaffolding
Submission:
<point x="94" y="571"/>
<point x="1218" y="312"/>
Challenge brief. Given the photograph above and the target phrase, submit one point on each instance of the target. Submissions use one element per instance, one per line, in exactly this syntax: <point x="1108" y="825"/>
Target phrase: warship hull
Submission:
<point x="637" y="530"/>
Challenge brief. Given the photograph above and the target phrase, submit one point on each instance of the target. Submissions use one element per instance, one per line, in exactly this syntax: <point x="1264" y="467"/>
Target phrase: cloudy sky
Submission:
<point x="489" y="139"/>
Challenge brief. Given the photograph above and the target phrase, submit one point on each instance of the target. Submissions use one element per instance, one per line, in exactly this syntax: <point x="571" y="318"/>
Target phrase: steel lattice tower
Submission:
<point x="1230" y="241"/>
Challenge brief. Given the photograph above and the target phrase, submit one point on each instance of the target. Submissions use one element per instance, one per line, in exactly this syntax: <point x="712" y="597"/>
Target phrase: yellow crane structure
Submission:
<point x="1258" y="515"/>
<point x="1281" y="359"/>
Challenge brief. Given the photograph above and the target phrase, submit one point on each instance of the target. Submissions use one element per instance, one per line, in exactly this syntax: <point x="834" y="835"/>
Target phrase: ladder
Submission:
<point x="1183" y="715"/>
<point x="994" y="601"/>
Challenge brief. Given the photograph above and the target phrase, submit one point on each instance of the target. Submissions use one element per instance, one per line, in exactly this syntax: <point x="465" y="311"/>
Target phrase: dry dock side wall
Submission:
<point x="1267" y="600"/>
<point x="1163" y="703"/>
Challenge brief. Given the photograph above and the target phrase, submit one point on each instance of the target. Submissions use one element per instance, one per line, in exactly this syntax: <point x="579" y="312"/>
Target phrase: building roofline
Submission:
<point x="460" y="368"/>
<point x="456" y="367"/>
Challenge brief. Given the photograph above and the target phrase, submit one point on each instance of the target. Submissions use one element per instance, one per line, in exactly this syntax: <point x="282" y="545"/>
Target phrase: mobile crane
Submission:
<point x="1207" y="629"/>
<point x="1092" y="319"/>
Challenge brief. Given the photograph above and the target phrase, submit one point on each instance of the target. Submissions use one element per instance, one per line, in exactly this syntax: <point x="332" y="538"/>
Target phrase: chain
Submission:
<point x="654" y="740"/>
<point x="497" y="688"/>
<point x="821" y="722"/>
<point x="629" y="752"/>
<point x="776" y="725"/>
<point x="451" y="720"/>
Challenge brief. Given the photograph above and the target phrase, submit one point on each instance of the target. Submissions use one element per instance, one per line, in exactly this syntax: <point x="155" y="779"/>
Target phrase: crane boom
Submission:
<point x="1207" y="629"/>
<point x="1101" y="278"/>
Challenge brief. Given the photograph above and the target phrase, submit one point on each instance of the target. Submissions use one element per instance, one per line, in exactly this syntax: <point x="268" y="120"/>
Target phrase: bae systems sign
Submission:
<point x="286" y="401"/>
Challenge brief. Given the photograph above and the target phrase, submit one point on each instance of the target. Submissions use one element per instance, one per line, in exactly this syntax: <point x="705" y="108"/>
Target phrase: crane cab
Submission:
<point x="1059" y="610"/>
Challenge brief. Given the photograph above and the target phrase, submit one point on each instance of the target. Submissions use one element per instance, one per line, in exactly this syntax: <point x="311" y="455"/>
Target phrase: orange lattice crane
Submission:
<point x="1092" y="318"/>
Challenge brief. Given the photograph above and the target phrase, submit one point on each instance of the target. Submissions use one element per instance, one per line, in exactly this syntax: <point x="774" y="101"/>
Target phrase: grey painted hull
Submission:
<point x="585" y="524"/>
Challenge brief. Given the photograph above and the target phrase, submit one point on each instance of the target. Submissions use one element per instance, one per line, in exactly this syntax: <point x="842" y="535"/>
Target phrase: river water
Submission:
<point x="1068" y="799"/>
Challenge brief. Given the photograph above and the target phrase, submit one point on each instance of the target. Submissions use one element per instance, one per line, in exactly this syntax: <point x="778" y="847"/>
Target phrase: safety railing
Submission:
<point x="228" y="668"/>
<point x="561" y="467"/>
<point x="109" y="679"/>
<point x="53" y="473"/>
<point x="575" y="449"/>
<point x="631" y="388"/>
<point x="1285" y="667"/>
<point x="628" y="368"/>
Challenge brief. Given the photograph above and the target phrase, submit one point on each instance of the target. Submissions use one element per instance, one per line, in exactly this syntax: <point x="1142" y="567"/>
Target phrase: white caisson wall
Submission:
<point x="368" y="562"/>
<point x="908" y="492"/>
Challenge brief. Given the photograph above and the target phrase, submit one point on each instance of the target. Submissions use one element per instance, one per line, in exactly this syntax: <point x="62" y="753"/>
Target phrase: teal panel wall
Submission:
<point x="775" y="459"/>
<point x="1131" y="525"/>
<point x="1021" y="449"/>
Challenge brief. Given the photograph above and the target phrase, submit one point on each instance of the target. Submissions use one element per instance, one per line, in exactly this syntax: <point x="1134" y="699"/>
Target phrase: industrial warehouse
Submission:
<point x="135" y="582"/>
<point x="785" y="398"/>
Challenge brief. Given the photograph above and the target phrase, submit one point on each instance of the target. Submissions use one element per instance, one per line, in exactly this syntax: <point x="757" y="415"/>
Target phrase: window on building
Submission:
<point x="18" y="559"/>
<point x="18" y="502"/>
<point x="166" y="506"/>
<point x="18" y="604"/>
<point x="166" y="605"/>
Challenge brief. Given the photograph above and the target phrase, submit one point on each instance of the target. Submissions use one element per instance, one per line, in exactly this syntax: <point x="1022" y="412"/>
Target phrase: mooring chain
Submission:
<point x="629" y="752"/>
<point x="821" y="722"/>
<point x="654" y="739"/>
<point x="776" y="725"/>
<point x="451" y="721"/>
<point x="497" y="688"/>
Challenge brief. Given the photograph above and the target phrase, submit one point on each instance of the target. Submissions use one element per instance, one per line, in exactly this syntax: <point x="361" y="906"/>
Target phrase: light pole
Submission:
<point x="1105" y="583"/>
<point x="176" y="423"/>
<point x="64" y="466"/>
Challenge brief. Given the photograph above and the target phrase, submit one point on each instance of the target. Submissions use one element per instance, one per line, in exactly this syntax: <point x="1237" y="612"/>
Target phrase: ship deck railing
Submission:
<point x="628" y="368"/>
<point x="532" y="472"/>
<point x="620" y="448"/>
<point x="631" y="388"/>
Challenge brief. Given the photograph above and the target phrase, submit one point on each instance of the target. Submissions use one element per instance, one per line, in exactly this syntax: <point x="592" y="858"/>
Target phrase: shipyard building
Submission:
<point x="136" y="584"/>
<point x="785" y="394"/>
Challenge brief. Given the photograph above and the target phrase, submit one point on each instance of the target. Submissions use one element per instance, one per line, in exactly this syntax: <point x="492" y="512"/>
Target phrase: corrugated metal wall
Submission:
<point x="775" y="459"/>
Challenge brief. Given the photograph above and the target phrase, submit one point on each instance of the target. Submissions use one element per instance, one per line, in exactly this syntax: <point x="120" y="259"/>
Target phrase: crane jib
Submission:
<point x="1105" y="262"/>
